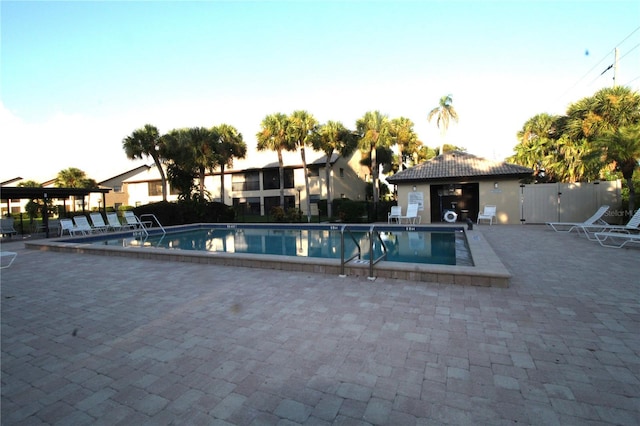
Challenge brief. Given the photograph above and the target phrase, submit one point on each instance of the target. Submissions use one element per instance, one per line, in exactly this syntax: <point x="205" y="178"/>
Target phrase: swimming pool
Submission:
<point x="444" y="246"/>
<point x="414" y="253"/>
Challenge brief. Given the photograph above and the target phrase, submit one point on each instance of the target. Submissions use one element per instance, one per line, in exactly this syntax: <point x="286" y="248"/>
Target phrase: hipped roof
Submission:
<point x="455" y="165"/>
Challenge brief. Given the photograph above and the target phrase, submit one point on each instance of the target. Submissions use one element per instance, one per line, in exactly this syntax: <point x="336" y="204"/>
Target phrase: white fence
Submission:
<point x="570" y="202"/>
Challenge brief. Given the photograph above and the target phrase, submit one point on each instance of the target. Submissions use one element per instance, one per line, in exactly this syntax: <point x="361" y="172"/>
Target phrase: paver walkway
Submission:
<point x="100" y="340"/>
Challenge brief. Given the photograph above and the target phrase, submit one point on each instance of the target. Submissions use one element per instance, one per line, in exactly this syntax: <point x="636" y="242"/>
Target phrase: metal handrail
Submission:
<point x="373" y="261"/>
<point x="342" y="259"/>
<point x="151" y="215"/>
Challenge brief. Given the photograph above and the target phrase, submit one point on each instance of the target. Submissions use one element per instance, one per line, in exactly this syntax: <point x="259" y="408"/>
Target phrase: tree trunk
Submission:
<point x="201" y="185"/>
<point x="306" y="182"/>
<point x="222" y="184"/>
<point x="328" y="169"/>
<point x="281" y="174"/>
<point x="374" y="174"/>
<point x="163" y="178"/>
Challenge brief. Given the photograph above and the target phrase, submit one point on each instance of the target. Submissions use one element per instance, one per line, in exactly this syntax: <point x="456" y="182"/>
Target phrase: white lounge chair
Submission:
<point x="114" y="222"/>
<point x="132" y="220"/>
<point x="596" y="219"/>
<point x="67" y="225"/>
<point x="83" y="225"/>
<point x="6" y="226"/>
<point x="632" y="226"/>
<point x="97" y="222"/>
<point x="9" y="254"/>
<point x="394" y="214"/>
<point x="489" y="214"/>
<point x="412" y="214"/>
<point x="616" y="239"/>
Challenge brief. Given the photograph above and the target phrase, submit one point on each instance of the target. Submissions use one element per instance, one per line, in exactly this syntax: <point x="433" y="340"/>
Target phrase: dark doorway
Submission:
<point x="462" y="198"/>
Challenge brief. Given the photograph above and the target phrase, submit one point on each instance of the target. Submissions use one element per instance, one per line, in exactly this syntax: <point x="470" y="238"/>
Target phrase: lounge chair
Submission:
<point x="97" y="222"/>
<point x="114" y="222"/>
<point x="633" y="226"/>
<point x="412" y="215"/>
<point x="132" y="219"/>
<point x="6" y="226"/>
<point x="394" y="214"/>
<point x="616" y="239"/>
<point x="67" y="225"/>
<point x="11" y="255"/>
<point x="596" y="219"/>
<point x="489" y="214"/>
<point x="83" y="225"/>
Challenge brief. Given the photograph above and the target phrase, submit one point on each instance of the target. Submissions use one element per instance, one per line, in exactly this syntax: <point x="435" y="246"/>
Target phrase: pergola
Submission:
<point x="9" y="193"/>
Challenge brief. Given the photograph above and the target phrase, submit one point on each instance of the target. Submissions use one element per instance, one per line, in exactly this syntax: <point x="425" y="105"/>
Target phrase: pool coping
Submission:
<point x="488" y="269"/>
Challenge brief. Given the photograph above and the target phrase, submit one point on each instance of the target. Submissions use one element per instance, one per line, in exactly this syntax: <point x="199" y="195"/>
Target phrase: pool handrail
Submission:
<point x="358" y="254"/>
<point x="373" y="261"/>
<point x="152" y="216"/>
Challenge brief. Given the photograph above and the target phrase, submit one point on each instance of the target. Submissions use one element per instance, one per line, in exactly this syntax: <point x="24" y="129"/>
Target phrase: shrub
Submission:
<point x="350" y="211"/>
<point x="187" y="211"/>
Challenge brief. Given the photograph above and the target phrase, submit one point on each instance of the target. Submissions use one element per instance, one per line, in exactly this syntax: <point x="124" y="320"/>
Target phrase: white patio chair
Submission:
<point x="6" y="226"/>
<point x="82" y="224"/>
<point x="489" y="214"/>
<point x="633" y="226"/>
<point x="67" y="225"/>
<point x="97" y="222"/>
<point x="394" y="214"/>
<point x="596" y="219"/>
<point x="114" y="222"/>
<point x="412" y="214"/>
<point x="11" y="255"/>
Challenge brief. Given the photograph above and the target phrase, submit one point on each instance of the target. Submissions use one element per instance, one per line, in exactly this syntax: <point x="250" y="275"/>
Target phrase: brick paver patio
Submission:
<point x="110" y="340"/>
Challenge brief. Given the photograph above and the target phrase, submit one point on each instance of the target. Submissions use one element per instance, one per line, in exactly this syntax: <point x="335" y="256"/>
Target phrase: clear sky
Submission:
<point x="79" y="76"/>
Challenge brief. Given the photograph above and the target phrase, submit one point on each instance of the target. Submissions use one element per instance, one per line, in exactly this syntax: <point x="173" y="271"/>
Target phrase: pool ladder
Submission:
<point x="142" y="230"/>
<point x="373" y="234"/>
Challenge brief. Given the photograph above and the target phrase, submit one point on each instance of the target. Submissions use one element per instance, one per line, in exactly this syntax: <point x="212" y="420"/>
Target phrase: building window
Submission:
<point x="248" y="181"/>
<point x="249" y="205"/>
<point x="155" y="188"/>
<point x="315" y="172"/>
<point x="117" y="188"/>
<point x="271" y="178"/>
<point x="271" y="202"/>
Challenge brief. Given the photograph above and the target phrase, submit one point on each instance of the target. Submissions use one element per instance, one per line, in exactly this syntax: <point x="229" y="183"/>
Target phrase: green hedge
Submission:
<point x="185" y="212"/>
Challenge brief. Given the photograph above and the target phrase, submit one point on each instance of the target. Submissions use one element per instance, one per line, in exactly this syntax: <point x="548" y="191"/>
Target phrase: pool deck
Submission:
<point x="118" y="341"/>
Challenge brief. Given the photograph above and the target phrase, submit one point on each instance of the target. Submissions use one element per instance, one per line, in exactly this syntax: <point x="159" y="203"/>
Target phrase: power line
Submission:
<point x="600" y="62"/>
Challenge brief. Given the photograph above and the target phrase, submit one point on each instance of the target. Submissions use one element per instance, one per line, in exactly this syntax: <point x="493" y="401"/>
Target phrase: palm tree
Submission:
<point x="73" y="177"/>
<point x="302" y="126"/>
<point x="202" y="144"/>
<point x="230" y="146"/>
<point x="538" y="148"/>
<point x="622" y="147"/>
<point x="405" y="137"/>
<point x="273" y="136"/>
<point x="192" y="152"/>
<point x="146" y="142"/>
<point x="374" y="130"/>
<point x="605" y="111"/>
<point x="333" y="137"/>
<point x="444" y="113"/>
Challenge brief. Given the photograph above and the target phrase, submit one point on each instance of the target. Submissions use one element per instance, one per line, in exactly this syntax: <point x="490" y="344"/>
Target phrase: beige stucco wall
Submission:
<point x="506" y="198"/>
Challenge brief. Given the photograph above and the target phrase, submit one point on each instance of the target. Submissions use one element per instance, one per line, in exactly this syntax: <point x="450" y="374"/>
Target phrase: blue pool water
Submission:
<point x="415" y="244"/>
